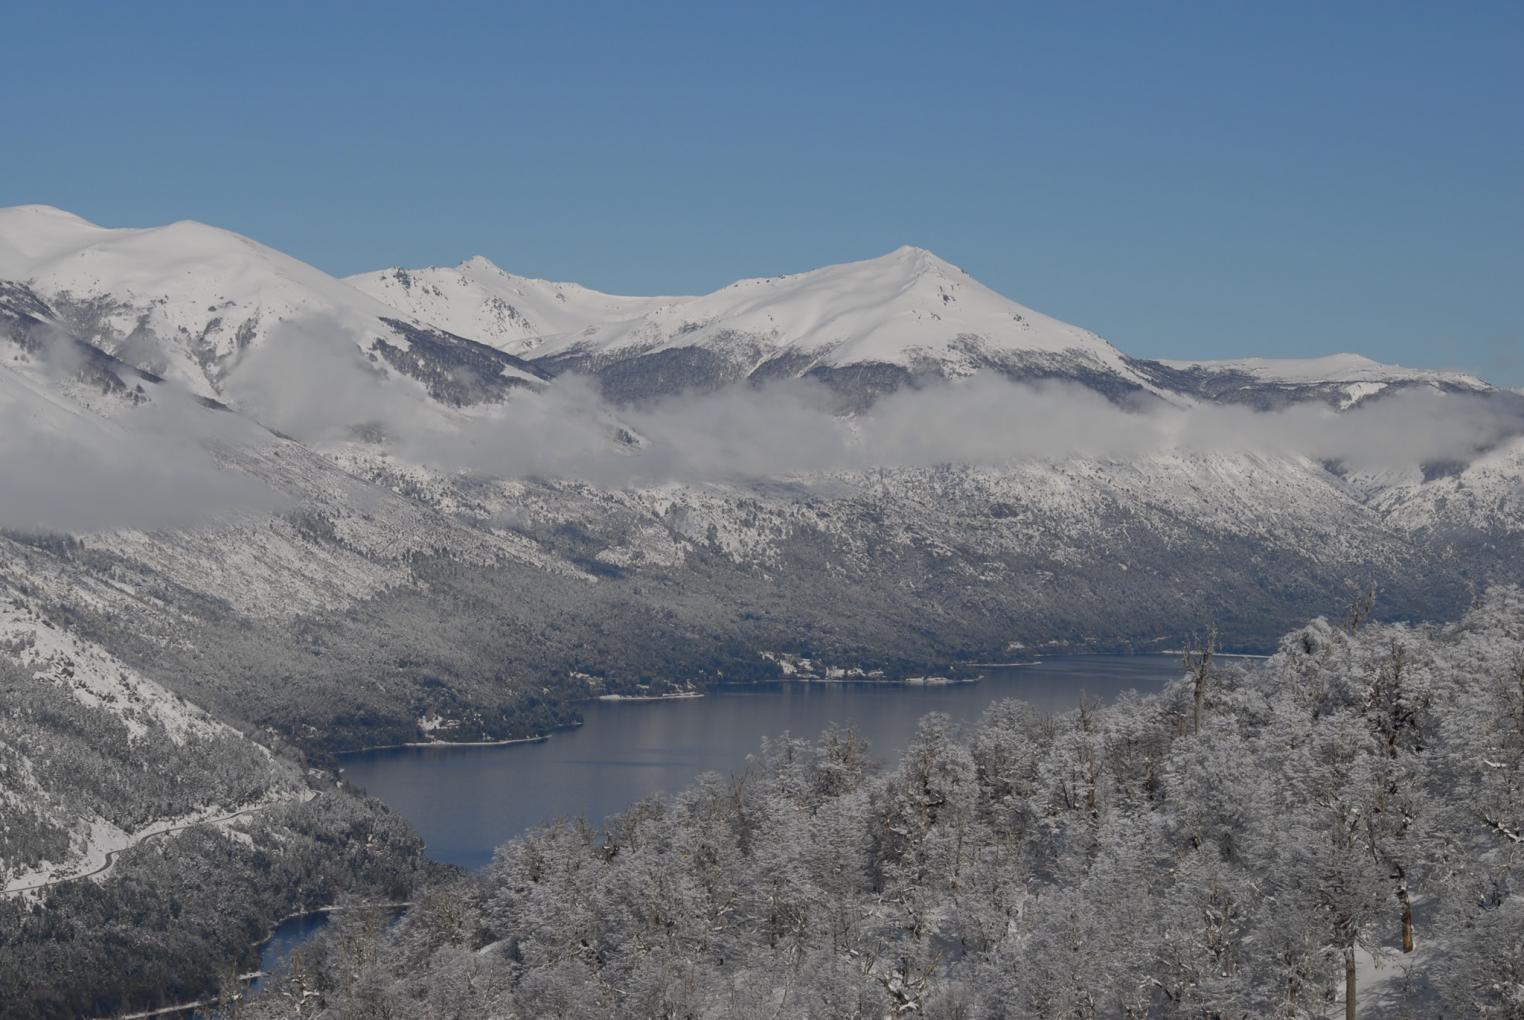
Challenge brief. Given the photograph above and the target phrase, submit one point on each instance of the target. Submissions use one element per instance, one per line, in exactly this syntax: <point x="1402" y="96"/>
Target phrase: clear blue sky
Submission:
<point x="1188" y="179"/>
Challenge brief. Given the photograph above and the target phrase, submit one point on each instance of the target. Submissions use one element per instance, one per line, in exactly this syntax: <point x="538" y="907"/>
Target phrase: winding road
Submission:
<point x="111" y="855"/>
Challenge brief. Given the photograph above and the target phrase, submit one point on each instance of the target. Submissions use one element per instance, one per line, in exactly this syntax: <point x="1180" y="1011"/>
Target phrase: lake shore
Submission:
<point x="538" y="739"/>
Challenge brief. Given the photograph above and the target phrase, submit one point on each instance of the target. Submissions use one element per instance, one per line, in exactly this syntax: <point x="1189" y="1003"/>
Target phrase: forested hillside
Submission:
<point x="147" y="847"/>
<point x="180" y="917"/>
<point x="1261" y="839"/>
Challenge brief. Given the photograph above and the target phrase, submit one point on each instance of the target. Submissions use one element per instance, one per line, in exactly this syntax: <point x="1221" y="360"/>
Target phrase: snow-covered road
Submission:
<point x="136" y="839"/>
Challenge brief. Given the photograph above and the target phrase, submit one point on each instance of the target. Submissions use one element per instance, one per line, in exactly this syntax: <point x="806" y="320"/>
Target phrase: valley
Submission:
<point x="271" y="518"/>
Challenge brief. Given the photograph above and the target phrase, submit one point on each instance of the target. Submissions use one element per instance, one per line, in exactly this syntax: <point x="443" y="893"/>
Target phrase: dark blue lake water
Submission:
<point x="465" y="801"/>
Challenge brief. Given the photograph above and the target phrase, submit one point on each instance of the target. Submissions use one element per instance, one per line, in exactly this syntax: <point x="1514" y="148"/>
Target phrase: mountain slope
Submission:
<point x="340" y="587"/>
<point x="862" y="328"/>
<point x="512" y="313"/>
<point x="189" y="302"/>
<point x="1339" y="379"/>
<point x="193" y="576"/>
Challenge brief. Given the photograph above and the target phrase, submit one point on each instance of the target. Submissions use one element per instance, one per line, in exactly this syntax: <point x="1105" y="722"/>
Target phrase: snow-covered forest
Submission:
<point x="1262" y="839"/>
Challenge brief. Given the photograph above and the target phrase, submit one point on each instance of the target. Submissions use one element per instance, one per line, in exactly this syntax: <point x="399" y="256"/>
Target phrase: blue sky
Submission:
<point x="1188" y="179"/>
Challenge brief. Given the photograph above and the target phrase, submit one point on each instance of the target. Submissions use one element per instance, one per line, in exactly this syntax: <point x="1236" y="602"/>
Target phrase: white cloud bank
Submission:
<point x="312" y="381"/>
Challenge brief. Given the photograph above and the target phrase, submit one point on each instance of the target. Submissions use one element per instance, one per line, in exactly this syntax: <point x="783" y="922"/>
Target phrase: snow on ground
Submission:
<point x="95" y="677"/>
<point x="97" y="844"/>
<point x="1370" y="375"/>
<point x="1487" y="493"/>
<point x="56" y="655"/>
<point x="906" y="308"/>
<point x="208" y="293"/>
<point x="476" y="299"/>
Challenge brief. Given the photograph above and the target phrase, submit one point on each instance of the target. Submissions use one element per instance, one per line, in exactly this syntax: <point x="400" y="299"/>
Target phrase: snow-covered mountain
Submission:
<point x="862" y="328"/>
<point x="1340" y="379"/>
<point x="189" y="302"/>
<point x="338" y="589"/>
<point x="513" y="313"/>
<point x="1348" y="368"/>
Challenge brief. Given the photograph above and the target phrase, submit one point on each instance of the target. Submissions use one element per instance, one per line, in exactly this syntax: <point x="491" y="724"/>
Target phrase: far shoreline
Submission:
<point x="427" y="744"/>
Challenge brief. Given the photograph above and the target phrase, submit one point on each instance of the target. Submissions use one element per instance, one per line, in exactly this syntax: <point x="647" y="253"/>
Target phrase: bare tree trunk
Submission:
<point x="1199" y="665"/>
<point x="1407" y="921"/>
<point x="1349" y="983"/>
<point x="1361" y="608"/>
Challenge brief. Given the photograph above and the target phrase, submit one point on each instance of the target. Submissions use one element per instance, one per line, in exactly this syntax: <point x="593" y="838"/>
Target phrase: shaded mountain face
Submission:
<point x="340" y="584"/>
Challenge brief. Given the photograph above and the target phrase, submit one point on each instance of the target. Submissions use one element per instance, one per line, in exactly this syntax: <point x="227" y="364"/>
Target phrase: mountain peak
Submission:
<point x="923" y="258"/>
<point x="478" y="299"/>
<point x="481" y="264"/>
<point x="907" y="262"/>
<point x="900" y="315"/>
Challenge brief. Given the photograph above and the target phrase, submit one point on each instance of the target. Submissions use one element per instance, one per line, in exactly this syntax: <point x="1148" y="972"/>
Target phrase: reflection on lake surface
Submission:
<point x="466" y="801"/>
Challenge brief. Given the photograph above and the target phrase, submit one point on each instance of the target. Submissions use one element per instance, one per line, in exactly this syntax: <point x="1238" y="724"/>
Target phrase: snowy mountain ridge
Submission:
<point x="881" y="309"/>
<point x="476" y="299"/>
<point x="1344" y="367"/>
<point x="866" y="327"/>
<point x="441" y="556"/>
<point x="1341" y="379"/>
<point x="189" y="302"/>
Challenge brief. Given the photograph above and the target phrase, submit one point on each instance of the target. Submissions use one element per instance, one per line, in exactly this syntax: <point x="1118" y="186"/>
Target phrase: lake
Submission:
<point x="465" y="801"/>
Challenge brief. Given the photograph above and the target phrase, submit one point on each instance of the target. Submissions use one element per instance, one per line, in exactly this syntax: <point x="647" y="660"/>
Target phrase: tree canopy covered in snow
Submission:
<point x="1257" y="840"/>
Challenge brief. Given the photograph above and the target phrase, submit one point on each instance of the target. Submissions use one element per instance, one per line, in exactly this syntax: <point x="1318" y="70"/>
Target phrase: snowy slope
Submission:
<point x="110" y="690"/>
<point x="1350" y="368"/>
<point x="893" y="309"/>
<point x="1486" y="494"/>
<point x="375" y="530"/>
<point x="1341" y="379"/>
<point x="863" y="327"/>
<point x="187" y="300"/>
<point x="476" y="299"/>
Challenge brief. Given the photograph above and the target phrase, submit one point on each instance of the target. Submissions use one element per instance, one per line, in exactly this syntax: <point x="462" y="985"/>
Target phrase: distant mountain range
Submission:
<point x="187" y="301"/>
<point x="292" y="499"/>
<point x="864" y="328"/>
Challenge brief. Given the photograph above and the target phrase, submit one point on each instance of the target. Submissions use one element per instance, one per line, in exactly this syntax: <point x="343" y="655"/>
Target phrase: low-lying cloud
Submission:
<point x="311" y="380"/>
<point x="990" y="421"/>
<point x="148" y="468"/>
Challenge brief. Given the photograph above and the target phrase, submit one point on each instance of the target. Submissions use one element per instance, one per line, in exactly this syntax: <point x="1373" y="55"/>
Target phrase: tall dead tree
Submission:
<point x="1198" y="666"/>
<point x="1360" y="609"/>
